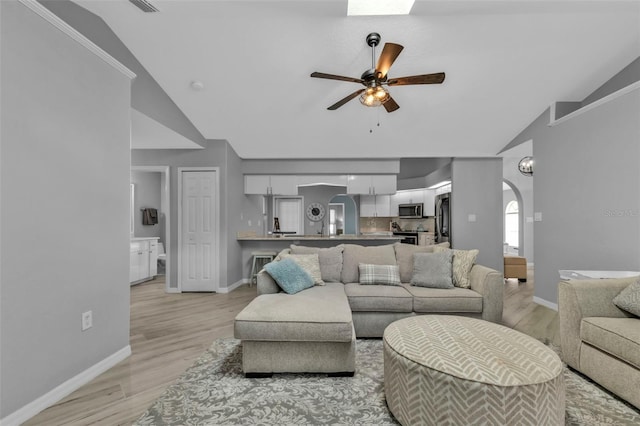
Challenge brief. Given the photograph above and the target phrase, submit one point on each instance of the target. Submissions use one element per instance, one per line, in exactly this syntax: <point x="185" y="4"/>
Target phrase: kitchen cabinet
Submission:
<point x="143" y="259"/>
<point x="333" y="180"/>
<point x="375" y="206"/>
<point x="270" y="185"/>
<point x="372" y="184"/>
<point x="429" y="202"/>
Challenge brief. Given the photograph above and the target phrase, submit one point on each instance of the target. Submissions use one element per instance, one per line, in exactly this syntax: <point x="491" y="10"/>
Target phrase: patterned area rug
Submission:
<point x="215" y="392"/>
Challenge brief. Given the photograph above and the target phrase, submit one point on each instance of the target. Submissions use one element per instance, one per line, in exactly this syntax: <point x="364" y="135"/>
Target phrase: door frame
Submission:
<point x="216" y="225"/>
<point x="166" y="197"/>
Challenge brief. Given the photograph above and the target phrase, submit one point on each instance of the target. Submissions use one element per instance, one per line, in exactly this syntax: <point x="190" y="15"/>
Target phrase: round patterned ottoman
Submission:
<point x="451" y="370"/>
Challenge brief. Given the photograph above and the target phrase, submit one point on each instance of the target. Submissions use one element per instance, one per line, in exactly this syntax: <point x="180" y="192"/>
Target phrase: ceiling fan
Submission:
<point x="375" y="94"/>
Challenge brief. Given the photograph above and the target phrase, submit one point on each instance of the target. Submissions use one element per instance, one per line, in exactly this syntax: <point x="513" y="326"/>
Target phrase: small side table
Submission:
<point x="260" y="258"/>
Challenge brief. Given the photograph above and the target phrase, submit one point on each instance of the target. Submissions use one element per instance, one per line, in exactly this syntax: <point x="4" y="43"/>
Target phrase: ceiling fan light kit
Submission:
<point x="375" y="94"/>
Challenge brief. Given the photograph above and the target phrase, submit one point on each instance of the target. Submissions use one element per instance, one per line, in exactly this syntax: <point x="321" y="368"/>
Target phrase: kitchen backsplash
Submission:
<point x="378" y="224"/>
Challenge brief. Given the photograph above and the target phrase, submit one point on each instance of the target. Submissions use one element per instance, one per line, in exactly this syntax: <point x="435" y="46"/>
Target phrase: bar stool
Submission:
<point x="260" y="258"/>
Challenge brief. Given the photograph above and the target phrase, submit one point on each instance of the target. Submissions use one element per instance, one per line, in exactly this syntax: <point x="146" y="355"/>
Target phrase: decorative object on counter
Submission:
<point x="395" y="227"/>
<point x="525" y="166"/>
<point x="149" y="216"/>
<point x="276" y="224"/>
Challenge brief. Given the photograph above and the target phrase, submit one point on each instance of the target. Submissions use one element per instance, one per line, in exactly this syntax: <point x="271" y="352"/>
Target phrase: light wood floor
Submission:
<point x="169" y="331"/>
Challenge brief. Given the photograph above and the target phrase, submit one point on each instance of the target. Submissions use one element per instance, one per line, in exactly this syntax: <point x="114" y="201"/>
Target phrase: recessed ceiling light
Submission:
<point x="379" y="7"/>
<point x="197" y="85"/>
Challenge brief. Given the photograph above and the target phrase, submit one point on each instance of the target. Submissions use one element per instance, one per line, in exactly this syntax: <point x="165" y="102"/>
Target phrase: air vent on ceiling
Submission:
<point x="145" y="6"/>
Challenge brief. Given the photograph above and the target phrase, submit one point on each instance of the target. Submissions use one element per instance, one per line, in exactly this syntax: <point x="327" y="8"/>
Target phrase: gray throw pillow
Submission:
<point x="629" y="299"/>
<point x="330" y="260"/>
<point x="432" y="270"/>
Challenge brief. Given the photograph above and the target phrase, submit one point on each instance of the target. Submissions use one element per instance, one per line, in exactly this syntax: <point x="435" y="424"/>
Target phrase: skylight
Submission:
<point x="379" y="7"/>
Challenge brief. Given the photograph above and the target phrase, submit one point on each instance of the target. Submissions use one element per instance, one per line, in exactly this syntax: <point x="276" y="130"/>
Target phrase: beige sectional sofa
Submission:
<point x="315" y="330"/>
<point x="599" y="339"/>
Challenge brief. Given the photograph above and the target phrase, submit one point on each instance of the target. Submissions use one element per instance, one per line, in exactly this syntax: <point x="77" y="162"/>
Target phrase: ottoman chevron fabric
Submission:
<point x="451" y="370"/>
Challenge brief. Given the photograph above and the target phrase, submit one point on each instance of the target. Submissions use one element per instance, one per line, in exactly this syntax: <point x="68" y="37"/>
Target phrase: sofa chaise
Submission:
<point x="315" y="330"/>
<point x="597" y="337"/>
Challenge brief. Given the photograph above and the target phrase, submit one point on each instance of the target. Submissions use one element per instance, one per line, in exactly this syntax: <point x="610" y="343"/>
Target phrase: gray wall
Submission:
<point x="217" y="153"/>
<point x="318" y="194"/>
<point x="477" y="189"/>
<point x="627" y="76"/>
<point x="586" y="184"/>
<point x="146" y="94"/>
<point x="65" y="207"/>
<point x="587" y="187"/>
<point x="147" y="195"/>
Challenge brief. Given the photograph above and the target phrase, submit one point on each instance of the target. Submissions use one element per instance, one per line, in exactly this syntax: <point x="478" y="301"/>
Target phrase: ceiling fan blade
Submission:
<point x="391" y="105"/>
<point x="389" y="54"/>
<point x="436" y="78"/>
<point x="346" y="99"/>
<point x="336" y="77"/>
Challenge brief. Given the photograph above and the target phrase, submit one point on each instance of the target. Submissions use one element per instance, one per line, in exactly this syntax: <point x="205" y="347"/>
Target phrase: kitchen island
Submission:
<point x="250" y="244"/>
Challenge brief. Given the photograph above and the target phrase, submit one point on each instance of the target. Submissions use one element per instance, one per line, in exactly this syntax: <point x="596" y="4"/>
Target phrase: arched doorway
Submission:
<point x="513" y="222"/>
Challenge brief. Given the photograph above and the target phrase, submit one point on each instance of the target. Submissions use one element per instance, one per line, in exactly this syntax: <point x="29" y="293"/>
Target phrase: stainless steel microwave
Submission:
<point x="410" y="211"/>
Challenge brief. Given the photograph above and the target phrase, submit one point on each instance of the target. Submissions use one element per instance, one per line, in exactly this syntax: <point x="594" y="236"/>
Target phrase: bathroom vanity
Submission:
<point x="143" y="259"/>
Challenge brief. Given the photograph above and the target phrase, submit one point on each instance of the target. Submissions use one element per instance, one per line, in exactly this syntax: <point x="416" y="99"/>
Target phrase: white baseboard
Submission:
<point x="47" y="400"/>
<point x="234" y="286"/>
<point x="172" y="290"/>
<point x="545" y="303"/>
<point x="530" y="264"/>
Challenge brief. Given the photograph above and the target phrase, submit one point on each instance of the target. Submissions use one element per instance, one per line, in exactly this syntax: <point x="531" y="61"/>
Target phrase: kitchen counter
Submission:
<point x="389" y="238"/>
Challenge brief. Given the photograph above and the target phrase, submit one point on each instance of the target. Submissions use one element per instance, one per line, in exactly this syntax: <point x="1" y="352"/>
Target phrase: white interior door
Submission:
<point x="198" y="231"/>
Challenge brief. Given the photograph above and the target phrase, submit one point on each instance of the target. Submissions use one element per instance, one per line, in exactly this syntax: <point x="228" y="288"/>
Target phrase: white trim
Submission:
<point x="166" y="194"/>
<point x="234" y="286"/>
<point x="172" y="291"/>
<point x="545" y="303"/>
<point x="606" y="99"/>
<point x="56" y="394"/>
<point x="530" y="265"/>
<point x="216" y="255"/>
<point x="54" y="20"/>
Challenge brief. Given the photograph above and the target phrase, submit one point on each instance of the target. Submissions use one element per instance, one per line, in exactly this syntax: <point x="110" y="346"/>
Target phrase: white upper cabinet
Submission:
<point x="372" y="184"/>
<point x="270" y="184"/>
<point x="429" y="202"/>
<point x="375" y="206"/>
<point x="333" y="180"/>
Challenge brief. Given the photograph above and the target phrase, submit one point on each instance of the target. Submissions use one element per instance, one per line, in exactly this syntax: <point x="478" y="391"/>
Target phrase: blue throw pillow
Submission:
<point x="289" y="275"/>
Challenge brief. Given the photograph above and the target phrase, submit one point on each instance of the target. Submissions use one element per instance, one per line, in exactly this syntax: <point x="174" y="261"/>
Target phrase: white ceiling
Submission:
<point x="505" y="62"/>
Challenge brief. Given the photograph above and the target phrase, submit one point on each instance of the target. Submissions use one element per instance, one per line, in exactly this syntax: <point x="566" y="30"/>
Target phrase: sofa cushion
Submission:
<point x="330" y="260"/>
<point x="619" y="337"/>
<point x="432" y="270"/>
<point x="404" y="257"/>
<point x="284" y="317"/>
<point x="378" y="298"/>
<point x="354" y="255"/>
<point x="437" y="300"/>
<point x="629" y="299"/>
<point x="379" y="274"/>
<point x="310" y="263"/>
<point x="463" y="261"/>
<point x="289" y="275"/>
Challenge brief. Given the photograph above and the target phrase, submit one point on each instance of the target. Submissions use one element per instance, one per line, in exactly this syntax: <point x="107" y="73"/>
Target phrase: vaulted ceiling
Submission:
<point x="505" y="62"/>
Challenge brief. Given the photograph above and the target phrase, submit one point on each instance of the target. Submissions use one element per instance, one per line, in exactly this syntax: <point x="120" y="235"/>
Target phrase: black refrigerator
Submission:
<point x="443" y="218"/>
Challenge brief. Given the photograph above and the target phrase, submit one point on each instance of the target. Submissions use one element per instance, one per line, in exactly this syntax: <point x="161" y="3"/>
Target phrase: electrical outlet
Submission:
<point x="537" y="216"/>
<point x="87" y="320"/>
<point x="249" y="222"/>
<point x="471" y="217"/>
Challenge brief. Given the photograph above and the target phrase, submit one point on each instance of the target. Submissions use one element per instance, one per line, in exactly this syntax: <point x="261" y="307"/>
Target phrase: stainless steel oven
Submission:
<point x="408" y="237"/>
